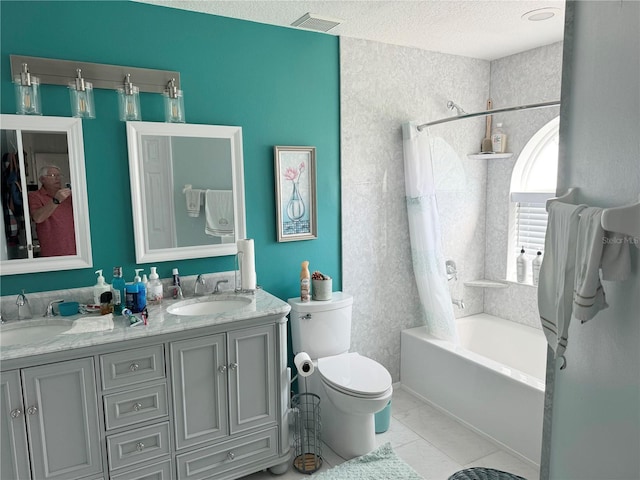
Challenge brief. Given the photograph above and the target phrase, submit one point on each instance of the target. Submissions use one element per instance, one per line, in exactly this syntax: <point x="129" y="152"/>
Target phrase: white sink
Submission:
<point x="209" y="305"/>
<point x="24" y="332"/>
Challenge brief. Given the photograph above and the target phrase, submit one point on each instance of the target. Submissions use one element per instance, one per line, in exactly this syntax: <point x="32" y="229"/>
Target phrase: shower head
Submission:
<point x="453" y="105"/>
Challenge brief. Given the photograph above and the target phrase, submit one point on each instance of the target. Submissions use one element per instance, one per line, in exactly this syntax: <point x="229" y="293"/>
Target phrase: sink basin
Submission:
<point x="25" y="332"/>
<point x="209" y="305"/>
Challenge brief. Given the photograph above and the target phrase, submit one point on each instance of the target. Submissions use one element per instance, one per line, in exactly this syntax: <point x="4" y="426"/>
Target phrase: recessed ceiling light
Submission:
<point x="311" y="21"/>
<point x="540" y="14"/>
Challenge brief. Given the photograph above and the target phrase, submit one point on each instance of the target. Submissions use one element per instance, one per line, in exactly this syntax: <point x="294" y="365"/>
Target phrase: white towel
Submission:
<point x="194" y="201"/>
<point x="218" y="209"/>
<point x="557" y="274"/>
<point x="588" y="296"/>
<point x="92" y="324"/>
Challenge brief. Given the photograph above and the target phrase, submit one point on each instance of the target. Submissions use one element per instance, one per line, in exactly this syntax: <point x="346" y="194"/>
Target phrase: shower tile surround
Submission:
<point x="383" y="86"/>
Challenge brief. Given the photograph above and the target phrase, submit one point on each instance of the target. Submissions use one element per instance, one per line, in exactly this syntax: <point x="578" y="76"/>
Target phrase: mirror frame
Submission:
<point x="135" y="131"/>
<point x="75" y="142"/>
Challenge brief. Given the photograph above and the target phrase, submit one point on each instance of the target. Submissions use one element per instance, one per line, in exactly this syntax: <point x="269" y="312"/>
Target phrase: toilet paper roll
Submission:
<point x="304" y="364"/>
<point x="247" y="264"/>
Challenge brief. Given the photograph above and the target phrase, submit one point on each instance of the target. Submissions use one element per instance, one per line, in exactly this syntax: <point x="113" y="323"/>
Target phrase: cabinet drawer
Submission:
<point x="135" y="406"/>
<point x="157" y="471"/>
<point x="210" y="462"/>
<point x="138" y="445"/>
<point x="132" y="366"/>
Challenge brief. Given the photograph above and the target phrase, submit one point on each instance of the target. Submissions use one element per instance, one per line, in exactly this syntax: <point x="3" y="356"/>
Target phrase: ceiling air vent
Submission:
<point x="311" y="21"/>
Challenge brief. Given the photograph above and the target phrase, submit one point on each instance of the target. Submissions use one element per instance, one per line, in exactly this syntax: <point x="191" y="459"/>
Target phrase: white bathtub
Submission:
<point x="493" y="381"/>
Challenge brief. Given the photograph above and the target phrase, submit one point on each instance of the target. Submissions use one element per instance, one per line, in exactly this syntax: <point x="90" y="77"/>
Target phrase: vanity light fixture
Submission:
<point x="27" y="88"/>
<point x="173" y="103"/>
<point x="129" y="100"/>
<point x="81" y="95"/>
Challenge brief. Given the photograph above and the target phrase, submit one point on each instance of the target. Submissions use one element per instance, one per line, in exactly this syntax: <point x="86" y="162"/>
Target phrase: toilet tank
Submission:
<point x="321" y="328"/>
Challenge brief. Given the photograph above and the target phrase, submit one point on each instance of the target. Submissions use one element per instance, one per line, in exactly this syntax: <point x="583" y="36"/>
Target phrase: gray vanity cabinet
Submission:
<point x="225" y="398"/>
<point x="60" y="411"/>
<point x="14" y="453"/>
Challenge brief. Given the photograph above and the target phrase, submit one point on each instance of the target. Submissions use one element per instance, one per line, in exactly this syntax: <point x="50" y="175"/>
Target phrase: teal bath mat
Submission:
<point x="381" y="464"/>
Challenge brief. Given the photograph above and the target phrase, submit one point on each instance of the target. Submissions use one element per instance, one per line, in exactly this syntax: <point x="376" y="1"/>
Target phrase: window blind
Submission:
<point x="531" y="227"/>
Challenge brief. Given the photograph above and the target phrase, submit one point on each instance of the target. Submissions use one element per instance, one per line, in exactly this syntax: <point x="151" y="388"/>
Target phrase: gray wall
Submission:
<point x="383" y="86"/>
<point x="595" y="426"/>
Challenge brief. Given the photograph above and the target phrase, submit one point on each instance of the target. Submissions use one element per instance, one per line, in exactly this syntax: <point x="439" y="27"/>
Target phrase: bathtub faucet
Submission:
<point x="458" y="302"/>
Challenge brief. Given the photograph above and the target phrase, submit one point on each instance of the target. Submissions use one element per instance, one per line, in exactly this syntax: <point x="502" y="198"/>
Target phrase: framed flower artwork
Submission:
<point x="296" y="209"/>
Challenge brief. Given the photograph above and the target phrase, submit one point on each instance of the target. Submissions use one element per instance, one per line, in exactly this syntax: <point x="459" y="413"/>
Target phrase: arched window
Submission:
<point x="533" y="182"/>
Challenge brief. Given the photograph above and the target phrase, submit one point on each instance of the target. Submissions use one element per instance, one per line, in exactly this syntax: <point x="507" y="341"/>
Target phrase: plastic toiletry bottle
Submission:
<point x="305" y="282"/>
<point x="154" y="292"/>
<point x="131" y="296"/>
<point x="535" y="267"/>
<point x="99" y="288"/>
<point x="499" y="139"/>
<point x="175" y="284"/>
<point x="117" y="287"/>
<point x="141" y="300"/>
<point x="521" y="267"/>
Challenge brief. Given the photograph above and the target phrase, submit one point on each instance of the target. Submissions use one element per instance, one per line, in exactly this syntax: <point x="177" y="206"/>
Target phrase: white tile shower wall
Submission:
<point x="529" y="77"/>
<point x="383" y="86"/>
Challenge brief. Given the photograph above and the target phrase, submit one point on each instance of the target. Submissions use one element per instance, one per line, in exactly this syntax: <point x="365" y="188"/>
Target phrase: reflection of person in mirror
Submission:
<point x="51" y="209"/>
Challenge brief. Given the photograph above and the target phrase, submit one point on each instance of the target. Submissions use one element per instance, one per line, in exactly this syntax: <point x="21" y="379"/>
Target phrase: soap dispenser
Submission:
<point x="99" y="288"/>
<point x="142" y="291"/>
<point x="521" y="267"/>
<point x="154" y="291"/>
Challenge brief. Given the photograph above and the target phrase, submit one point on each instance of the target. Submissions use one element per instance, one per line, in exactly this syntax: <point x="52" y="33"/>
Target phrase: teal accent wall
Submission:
<point x="280" y="85"/>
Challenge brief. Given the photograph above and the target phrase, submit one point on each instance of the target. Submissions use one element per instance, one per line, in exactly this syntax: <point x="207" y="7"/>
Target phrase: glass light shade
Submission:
<point x="27" y="96"/>
<point x="173" y="107"/>
<point x="82" y="105"/>
<point x="129" y="104"/>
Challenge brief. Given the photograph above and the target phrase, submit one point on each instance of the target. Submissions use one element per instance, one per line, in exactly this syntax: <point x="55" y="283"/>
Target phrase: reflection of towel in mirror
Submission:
<point x="218" y="209"/>
<point x="193" y="201"/>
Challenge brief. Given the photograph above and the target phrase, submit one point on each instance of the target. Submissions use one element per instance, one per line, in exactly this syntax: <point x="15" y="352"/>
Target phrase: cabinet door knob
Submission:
<point x="231" y="455"/>
<point x="134" y="367"/>
<point x="233" y="366"/>
<point x="32" y="410"/>
<point x="16" y="412"/>
<point x="139" y="446"/>
<point x="137" y="406"/>
<point x="222" y="368"/>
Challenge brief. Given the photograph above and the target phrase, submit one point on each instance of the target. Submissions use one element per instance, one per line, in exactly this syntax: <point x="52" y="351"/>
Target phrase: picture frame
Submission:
<point x="296" y="207"/>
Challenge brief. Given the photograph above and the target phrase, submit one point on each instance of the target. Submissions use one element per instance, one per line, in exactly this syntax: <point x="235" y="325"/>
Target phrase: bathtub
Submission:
<point x="492" y="382"/>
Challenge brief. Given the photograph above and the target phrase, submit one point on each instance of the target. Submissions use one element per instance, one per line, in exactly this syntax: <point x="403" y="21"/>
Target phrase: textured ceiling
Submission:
<point x="471" y="28"/>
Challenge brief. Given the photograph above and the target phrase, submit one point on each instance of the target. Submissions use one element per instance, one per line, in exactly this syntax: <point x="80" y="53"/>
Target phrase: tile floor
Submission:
<point x="434" y="444"/>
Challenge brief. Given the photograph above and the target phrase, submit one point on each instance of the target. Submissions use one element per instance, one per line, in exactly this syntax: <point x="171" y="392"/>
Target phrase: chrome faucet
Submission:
<point x="217" y="288"/>
<point x="458" y="301"/>
<point x="49" y="311"/>
<point x="199" y="281"/>
<point x="24" y="310"/>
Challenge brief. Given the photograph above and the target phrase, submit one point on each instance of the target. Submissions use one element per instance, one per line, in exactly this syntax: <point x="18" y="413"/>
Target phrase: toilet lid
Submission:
<point x="355" y="374"/>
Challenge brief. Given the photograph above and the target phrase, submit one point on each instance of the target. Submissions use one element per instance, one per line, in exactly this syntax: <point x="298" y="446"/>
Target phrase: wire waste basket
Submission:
<point x="306" y="434"/>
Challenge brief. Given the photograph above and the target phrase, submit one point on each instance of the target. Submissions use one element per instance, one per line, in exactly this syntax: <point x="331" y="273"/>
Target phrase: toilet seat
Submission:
<point x="354" y="375"/>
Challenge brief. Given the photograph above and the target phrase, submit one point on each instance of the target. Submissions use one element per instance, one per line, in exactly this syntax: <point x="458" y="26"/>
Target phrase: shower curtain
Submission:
<point x="424" y="230"/>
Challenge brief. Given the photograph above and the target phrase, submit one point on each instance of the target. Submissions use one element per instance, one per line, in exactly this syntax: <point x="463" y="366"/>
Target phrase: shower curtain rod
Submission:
<point x="490" y="112"/>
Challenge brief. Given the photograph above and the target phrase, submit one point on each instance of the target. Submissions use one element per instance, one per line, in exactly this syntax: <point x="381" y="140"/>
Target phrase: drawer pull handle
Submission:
<point x="137" y="406"/>
<point x="222" y="368"/>
<point x="16" y="412"/>
<point x="231" y="455"/>
<point x="32" y="410"/>
<point x="140" y="446"/>
<point x="134" y="367"/>
<point x="233" y="366"/>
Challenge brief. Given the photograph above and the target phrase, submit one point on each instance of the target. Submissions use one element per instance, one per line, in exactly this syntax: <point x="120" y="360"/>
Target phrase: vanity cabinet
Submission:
<point x="224" y="398"/>
<point x="50" y="422"/>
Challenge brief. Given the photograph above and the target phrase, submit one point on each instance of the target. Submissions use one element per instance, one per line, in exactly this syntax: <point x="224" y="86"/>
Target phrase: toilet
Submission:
<point x="351" y="387"/>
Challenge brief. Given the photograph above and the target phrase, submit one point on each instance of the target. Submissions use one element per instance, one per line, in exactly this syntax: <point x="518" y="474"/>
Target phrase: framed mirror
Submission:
<point x="44" y="195"/>
<point x="187" y="190"/>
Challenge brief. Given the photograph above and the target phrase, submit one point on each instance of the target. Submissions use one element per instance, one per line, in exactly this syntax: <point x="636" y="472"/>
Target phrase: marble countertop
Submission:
<point x="160" y="323"/>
